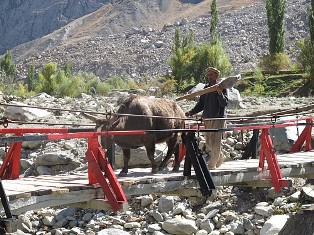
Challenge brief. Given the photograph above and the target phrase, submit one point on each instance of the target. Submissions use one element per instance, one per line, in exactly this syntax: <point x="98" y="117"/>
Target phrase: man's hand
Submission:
<point x="188" y="114"/>
<point x="219" y="90"/>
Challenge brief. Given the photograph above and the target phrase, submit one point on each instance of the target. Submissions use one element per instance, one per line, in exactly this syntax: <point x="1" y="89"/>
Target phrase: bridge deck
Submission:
<point x="45" y="190"/>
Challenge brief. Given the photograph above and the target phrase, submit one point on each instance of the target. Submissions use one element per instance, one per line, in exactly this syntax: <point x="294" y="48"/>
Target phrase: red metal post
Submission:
<point x="268" y="152"/>
<point x="97" y="164"/>
<point x="306" y="136"/>
<point x="11" y="166"/>
<point x="182" y="151"/>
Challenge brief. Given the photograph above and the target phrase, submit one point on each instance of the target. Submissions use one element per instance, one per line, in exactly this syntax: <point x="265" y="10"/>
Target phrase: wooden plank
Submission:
<point x="46" y="190"/>
<point x="98" y="204"/>
<point x="22" y="205"/>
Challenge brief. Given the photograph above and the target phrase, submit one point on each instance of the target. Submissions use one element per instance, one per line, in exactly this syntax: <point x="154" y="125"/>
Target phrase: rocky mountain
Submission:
<point x="134" y="38"/>
<point x="23" y="20"/>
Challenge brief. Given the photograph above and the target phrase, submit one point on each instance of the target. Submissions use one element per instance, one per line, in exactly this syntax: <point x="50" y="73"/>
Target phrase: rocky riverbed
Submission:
<point x="230" y="210"/>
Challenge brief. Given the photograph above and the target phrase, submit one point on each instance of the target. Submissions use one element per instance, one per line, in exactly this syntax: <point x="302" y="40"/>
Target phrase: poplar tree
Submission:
<point x="275" y="17"/>
<point x="311" y="29"/>
<point x="213" y="21"/>
<point x="8" y="67"/>
<point x="31" y="77"/>
<point x="310" y="14"/>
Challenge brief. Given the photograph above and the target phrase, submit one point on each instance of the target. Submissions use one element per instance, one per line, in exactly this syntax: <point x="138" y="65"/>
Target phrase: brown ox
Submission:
<point x="148" y="107"/>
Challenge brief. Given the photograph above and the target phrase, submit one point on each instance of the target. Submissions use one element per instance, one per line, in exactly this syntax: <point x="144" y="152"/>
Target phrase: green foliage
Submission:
<point x="116" y="83"/>
<point x="183" y="52"/>
<point x="259" y="85"/>
<point x="282" y="210"/>
<point x="210" y="55"/>
<point x="8" y="67"/>
<point x="46" y="79"/>
<point x="275" y="16"/>
<point x="310" y="14"/>
<point x="167" y="85"/>
<point x="189" y="62"/>
<point x="31" y="77"/>
<point x="214" y="21"/>
<point x="274" y="62"/>
<point x="68" y="68"/>
<point x="131" y="84"/>
<point x="306" y="55"/>
<point x="274" y="85"/>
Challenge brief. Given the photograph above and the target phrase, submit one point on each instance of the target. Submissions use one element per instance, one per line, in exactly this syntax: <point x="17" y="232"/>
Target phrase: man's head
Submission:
<point x="212" y="75"/>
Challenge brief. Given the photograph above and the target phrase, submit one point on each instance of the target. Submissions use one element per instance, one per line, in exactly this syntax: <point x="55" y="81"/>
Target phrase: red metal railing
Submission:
<point x="268" y="153"/>
<point x="99" y="169"/>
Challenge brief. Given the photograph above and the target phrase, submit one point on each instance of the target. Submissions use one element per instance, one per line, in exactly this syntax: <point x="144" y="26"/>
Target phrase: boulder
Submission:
<point x="300" y="223"/>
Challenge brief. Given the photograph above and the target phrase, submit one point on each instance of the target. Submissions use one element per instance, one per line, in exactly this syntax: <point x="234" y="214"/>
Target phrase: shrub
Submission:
<point x="306" y="55"/>
<point x="274" y="62"/>
<point x="116" y="82"/>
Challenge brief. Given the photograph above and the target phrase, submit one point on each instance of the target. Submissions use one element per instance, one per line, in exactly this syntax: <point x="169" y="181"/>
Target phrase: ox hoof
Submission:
<point x="123" y="174"/>
<point x="163" y="169"/>
<point x="154" y="170"/>
<point x="176" y="168"/>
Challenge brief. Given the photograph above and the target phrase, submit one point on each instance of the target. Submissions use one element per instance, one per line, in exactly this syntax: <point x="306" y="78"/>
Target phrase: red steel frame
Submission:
<point x="99" y="169"/>
<point x="268" y="152"/>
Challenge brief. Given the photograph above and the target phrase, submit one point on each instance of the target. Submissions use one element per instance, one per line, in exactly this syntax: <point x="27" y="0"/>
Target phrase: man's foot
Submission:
<point x="220" y="161"/>
<point x="211" y="167"/>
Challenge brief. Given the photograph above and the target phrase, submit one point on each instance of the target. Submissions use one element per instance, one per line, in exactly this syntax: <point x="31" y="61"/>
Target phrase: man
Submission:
<point x="213" y="105"/>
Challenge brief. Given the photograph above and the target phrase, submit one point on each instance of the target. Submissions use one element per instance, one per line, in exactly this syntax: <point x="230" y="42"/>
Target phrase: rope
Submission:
<point x="300" y="110"/>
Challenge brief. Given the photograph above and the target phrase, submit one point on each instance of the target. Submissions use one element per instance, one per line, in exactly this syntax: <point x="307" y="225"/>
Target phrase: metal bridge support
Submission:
<point x="193" y="157"/>
<point x="10" y="168"/>
<point x="99" y="170"/>
<point x="268" y="152"/>
<point x="251" y="148"/>
<point x="306" y="136"/>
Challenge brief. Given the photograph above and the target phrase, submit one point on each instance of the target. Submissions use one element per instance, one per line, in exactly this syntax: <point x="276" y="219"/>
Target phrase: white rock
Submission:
<point x="273" y="225"/>
<point x="180" y="226"/>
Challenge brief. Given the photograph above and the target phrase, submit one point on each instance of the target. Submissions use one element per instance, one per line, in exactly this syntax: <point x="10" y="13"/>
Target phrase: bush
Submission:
<point x="306" y="55"/>
<point x="117" y="83"/>
<point x="274" y="62"/>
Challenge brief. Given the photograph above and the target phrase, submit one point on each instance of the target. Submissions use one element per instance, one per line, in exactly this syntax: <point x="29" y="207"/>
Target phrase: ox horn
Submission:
<point x="90" y="117"/>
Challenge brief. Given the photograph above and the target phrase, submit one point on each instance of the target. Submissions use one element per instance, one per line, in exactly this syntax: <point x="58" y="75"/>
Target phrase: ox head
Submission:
<point x="103" y="124"/>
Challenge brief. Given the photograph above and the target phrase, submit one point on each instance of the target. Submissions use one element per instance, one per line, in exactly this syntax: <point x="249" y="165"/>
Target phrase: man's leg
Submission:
<point x="213" y="142"/>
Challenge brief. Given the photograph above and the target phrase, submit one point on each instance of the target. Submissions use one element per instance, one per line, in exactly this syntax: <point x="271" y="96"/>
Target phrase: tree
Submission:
<point x="310" y="13"/>
<point x="212" y="55"/>
<point x="31" y="77"/>
<point x="311" y="46"/>
<point x="46" y="80"/>
<point x="275" y="17"/>
<point x="8" y="67"/>
<point x="68" y="68"/>
<point x="180" y="62"/>
<point x="214" y="22"/>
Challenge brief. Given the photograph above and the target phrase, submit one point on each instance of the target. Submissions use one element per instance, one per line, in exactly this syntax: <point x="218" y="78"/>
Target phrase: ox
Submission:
<point x="143" y="108"/>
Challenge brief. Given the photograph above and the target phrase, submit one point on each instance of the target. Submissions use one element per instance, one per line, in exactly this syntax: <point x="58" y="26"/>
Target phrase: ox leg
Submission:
<point x="172" y="144"/>
<point x="126" y="159"/>
<point x="150" y="150"/>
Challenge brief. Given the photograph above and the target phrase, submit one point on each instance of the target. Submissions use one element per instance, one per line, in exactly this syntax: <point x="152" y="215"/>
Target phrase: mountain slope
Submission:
<point x="134" y="38"/>
<point x="25" y="20"/>
<point x="120" y="17"/>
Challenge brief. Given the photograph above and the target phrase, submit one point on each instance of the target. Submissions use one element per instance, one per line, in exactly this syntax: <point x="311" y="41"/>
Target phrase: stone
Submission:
<point x="112" y="231"/>
<point x="180" y="226"/>
<point x="300" y="223"/>
<point x="165" y="204"/>
<point x="274" y="224"/>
